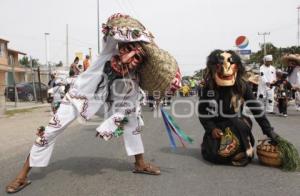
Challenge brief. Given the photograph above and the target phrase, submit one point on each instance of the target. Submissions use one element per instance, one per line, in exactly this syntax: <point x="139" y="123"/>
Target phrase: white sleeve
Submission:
<point x="263" y="75"/>
<point x="110" y="125"/>
<point x="274" y="74"/>
<point x="142" y="98"/>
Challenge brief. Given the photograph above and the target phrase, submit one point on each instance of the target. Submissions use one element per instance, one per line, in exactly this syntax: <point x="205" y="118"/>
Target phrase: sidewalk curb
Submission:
<point x="4" y="115"/>
<point x="29" y="107"/>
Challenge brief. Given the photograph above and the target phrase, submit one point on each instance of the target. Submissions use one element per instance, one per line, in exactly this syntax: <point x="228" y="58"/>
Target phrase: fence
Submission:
<point x="29" y="90"/>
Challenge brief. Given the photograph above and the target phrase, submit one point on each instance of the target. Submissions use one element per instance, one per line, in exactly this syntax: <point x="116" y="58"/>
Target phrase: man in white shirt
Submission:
<point x="267" y="77"/>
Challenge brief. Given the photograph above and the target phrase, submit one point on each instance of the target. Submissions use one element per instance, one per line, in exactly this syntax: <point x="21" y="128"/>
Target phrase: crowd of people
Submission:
<point x="277" y="87"/>
<point x="58" y="87"/>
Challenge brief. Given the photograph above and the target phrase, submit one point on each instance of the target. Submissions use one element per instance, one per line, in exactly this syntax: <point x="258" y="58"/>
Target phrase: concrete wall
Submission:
<point x="44" y="77"/>
<point x="3" y="60"/>
<point x="20" y="77"/>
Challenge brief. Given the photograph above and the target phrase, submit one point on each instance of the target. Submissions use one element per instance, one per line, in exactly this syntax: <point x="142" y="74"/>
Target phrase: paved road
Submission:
<point x="83" y="165"/>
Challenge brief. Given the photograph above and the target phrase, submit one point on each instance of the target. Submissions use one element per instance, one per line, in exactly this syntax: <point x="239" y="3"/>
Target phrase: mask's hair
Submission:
<point x="213" y="60"/>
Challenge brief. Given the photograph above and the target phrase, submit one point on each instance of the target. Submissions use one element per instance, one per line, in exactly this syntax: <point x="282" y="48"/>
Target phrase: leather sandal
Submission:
<point x="17" y="185"/>
<point x="147" y="169"/>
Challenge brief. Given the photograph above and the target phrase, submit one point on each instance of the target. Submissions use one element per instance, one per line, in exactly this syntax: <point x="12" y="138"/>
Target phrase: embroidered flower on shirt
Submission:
<point x="41" y="140"/>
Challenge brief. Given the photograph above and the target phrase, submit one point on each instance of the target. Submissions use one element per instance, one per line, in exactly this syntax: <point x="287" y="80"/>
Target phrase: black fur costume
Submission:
<point x="216" y="100"/>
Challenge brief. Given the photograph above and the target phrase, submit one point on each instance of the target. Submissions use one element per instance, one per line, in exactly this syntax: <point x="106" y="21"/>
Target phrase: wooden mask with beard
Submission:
<point x="226" y="70"/>
<point x="131" y="55"/>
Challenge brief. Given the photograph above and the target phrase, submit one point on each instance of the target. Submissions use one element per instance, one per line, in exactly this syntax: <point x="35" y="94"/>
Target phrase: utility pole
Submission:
<point x="67" y="45"/>
<point x="40" y="86"/>
<point x="15" y="84"/>
<point x="90" y="54"/>
<point x="33" y="80"/>
<point x="264" y="34"/>
<point x="47" y="54"/>
<point x="298" y="23"/>
<point x="98" y="26"/>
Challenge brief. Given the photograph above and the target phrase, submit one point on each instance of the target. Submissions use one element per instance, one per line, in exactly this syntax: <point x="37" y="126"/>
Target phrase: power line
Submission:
<point x="264" y="34"/>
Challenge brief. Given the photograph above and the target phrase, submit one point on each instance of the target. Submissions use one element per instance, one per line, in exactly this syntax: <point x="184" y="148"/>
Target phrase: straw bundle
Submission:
<point x="289" y="155"/>
<point x="125" y="22"/>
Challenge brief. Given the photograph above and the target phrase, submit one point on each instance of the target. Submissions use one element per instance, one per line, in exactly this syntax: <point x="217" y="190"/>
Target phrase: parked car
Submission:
<point x="25" y="91"/>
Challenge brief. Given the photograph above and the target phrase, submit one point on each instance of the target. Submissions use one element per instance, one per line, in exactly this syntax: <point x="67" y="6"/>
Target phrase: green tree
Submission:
<point x="185" y="77"/>
<point x="25" y="61"/>
<point x="277" y="53"/>
<point x="35" y="63"/>
<point x="59" y="64"/>
<point x="200" y="73"/>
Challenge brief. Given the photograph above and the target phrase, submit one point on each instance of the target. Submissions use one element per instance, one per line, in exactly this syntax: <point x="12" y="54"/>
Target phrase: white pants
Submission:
<point x="40" y="154"/>
<point x="267" y="97"/>
<point x="297" y="99"/>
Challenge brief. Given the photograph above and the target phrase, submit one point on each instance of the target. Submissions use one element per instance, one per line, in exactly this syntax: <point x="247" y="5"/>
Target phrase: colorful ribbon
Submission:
<point x="172" y="142"/>
<point x="172" y="126"/>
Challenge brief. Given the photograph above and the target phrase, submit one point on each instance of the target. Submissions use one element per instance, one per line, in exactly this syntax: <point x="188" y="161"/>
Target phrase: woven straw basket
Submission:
<point x="159" y="68"/>
<point x="268" y="154"/>
<point x="126" y="22"/>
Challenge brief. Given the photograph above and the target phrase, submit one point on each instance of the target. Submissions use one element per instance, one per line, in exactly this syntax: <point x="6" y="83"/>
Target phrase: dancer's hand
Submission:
<point x="98" y="135"/>
<point x="216" y="133"/>
<point x="272" y="135"/>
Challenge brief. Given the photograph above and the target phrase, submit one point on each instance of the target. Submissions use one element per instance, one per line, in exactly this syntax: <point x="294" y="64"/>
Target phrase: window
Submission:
<point x="2" y="49"/>
<point x="11" y="60"/>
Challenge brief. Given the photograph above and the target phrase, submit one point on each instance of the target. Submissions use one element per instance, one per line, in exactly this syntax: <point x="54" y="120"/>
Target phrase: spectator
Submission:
<point x="75" y="67"/>
<point x="51" y="82"/>
<point x="284" y="88"/>
<point x="193" y="84"/>
<point x="265" y="90"/>
<point x="86" y="62"/>
<point x="297" y="99"/>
